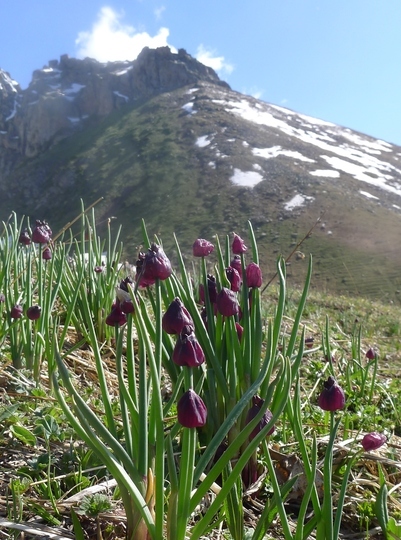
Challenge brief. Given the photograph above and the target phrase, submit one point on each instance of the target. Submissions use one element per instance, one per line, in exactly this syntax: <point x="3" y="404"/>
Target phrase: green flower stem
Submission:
<point x="188" y="449"/>
<point x="277" y="493"/>
<point x="125" y="399"/>
<point x="128" y="481"/>
<point x="157" y="409"/>
<point x="327" y="530"/>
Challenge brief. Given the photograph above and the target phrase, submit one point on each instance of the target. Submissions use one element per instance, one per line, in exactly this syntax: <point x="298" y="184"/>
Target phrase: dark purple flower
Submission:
<point x="236" y="263"/>
<point x="33" y="313"/>
<point x="332" y="397"/>
<point x="238" y="246"/>
<point x="42" y="233"/>
<point x="191" y="410"/>
<point x="24" y="238"/>
<point x="140" y="266"/>
<point x="187" y="351"/>
<point x="127" y="306"/>
<point x="125" y="283"/>
<point x="116" y="316"/>
<point x="227" y="303"/>
<point x="309" y="341"/>
<point x="373" y="441"/>
<point x="47" y="254"/>
<point x="212" y="289"/>
<point x="16" y="311"/>
<point x="202" y="248"/>
<point x="234" y="278"/>
<point x="371" y="354"/>
<point x="176" y="317"/>
<point x="98" y="269"/>
<point x="155" y="266"/>
<point x="257" y="403"/>
<point x="253" y="275"/>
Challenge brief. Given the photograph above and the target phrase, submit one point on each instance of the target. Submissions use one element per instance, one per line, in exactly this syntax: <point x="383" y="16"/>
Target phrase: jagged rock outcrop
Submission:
<point x="67" y="93"/>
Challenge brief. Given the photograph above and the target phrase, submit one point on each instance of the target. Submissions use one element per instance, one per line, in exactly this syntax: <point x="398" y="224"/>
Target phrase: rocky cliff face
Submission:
<point x="68" y="93"/>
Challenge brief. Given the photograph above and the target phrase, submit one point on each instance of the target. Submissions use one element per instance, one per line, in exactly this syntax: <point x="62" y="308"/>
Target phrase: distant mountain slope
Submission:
<point x="200" y="159"/>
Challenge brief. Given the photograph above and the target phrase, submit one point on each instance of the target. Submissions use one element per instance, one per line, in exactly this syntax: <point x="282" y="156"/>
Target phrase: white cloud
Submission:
<point x="218" y="63"/>
<point x="110" y="39"/>
<point x="159" y="12"/>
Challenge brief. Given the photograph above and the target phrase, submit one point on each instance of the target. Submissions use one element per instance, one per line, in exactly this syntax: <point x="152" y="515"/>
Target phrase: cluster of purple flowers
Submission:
<point x="41" y="234"/>
<point x="191" y="409"/>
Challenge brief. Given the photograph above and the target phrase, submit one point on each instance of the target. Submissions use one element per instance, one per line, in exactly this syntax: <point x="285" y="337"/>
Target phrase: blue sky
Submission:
<point x="338" y="60"/>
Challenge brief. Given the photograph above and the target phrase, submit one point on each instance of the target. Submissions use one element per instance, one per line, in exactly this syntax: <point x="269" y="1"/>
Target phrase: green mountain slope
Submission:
<point x="172" y="161"/>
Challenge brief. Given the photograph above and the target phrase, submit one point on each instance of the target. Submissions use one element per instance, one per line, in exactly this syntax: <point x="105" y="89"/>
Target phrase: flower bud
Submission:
<point x="202" y="248"/>
<point x="187" y="351"/>
<point x="240" y="331"/>
<point x="212" y="290"/>
<point x="33" y="313"/>
<point x="253" y="275"/>
<point x="98" y="269"/>
<point x="332" y="397"/>
<point x="116" y="316"/>
<point x="16" y="311"/>
<point x="155" y="266"/>
<point x="42" y="233"/>
<point x="127" y="306"/>
<point x="24" y="238"/>
<point x="227" y="303"/>
<point x="238" y="246"/>
<point x="234" y="278"/>
<point x="236" y="263"/>
<point x="125" y="283"/>
<point x="176" y="317"/>
<point x="47" y="254"/>
<point x="191" y="410"/>
<point x="373" y="441"/>
<point x="371" y="354"/>
<point x="253" y="411"/>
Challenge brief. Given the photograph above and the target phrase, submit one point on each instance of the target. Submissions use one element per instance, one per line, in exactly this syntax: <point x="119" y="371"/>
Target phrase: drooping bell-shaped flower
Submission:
<point x="124" y="297"/>
<point x="125" y="283"/>
<point x="309" y="341"/>
<point x="16" y="311"/>
<point x="211" y="287"/>
<point x="227" y="303"/>
<point x="234" y="278"/>
<point x="253" y="275"/>
<point x="238" y="246"/>
<point x="373" y="441"/>
<point x="41" y="233"/>
<point x="98" y="269"/>
<point x="236" y="263"/>
<point x="33" y="313"/>
<point x="371" y="354"/>
<point x="257" y="403"/>
<point x="155" y="265"/>
<point x="176" y="317"/>
<point x="116" y="316"/>
<point x="47" y="254"/>
<point x="187" y="350"/>
<point x="191" y="410"/>
<point x="332" y="397"/>
<point x="24" y="238"/>
<point x="202" y="248"/>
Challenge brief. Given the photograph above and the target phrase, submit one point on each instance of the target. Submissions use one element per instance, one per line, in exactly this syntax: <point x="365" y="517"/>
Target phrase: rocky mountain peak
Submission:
<point x="63" y="95"/>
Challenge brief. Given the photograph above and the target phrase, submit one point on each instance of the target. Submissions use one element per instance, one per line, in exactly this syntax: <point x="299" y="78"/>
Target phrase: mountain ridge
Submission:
<point x="201" y="158"/>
